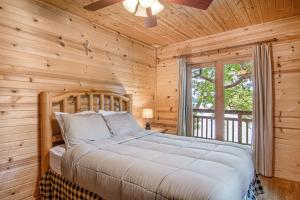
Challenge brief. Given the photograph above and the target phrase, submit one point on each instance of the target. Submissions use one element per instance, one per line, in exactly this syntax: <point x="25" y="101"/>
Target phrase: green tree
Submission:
<point x="238" y="87"/>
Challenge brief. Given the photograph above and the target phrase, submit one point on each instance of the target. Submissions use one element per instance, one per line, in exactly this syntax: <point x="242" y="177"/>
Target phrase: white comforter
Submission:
<point x="159" y="166"/>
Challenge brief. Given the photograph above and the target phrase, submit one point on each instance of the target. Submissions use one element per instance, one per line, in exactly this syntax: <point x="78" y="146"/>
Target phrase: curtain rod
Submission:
<point x="230" y="47"/>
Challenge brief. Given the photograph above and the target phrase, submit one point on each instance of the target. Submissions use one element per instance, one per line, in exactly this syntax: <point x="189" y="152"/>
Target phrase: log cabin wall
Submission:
<point x="43" y="48"/>
<point x="286" y="75"/>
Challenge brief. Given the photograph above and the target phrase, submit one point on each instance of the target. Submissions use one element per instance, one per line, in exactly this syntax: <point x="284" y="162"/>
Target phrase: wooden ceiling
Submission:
<point x="180" y="23"/>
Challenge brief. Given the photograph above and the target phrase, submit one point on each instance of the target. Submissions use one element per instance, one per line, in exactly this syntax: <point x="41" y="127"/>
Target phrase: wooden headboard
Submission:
<point x="73" y="102"/>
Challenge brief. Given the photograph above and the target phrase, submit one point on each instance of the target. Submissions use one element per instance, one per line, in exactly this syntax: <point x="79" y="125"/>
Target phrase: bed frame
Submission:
<point x="73" y="102"/>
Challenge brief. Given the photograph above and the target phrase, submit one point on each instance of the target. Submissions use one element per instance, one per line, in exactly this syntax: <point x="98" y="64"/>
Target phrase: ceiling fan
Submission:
<point x="147" y="8"/>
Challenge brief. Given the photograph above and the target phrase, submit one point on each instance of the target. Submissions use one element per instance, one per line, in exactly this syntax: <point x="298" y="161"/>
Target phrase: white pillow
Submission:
<point x="58" y="116"/>
<point x="80" y="129"/>
<point x="122" y="123"/>
<point x="60" y="120"/>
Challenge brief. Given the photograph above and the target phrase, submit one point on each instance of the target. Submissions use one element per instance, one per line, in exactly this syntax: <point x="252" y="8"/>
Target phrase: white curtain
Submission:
<point x="183" y="124"/>
<point x="263" y="110"/>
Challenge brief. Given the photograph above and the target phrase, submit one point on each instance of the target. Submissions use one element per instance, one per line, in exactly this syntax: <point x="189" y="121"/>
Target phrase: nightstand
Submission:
<point x="159" y="129"/>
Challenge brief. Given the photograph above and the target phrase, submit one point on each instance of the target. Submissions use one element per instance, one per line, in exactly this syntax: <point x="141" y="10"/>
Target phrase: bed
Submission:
<point x="141" y="164"/>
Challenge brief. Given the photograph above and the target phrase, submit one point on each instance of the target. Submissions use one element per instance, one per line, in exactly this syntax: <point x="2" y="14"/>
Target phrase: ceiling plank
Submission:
<point x="177" y="23"/>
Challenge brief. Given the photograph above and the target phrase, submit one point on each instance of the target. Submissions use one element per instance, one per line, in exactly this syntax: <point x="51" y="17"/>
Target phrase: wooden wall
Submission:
<point x="41" y="49"/>
<point x="286" y="75"/>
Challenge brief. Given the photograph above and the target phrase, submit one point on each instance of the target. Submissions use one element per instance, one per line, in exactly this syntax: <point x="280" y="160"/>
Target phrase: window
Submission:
<point x="222" y="98"/>
<point x="203" y="100"/>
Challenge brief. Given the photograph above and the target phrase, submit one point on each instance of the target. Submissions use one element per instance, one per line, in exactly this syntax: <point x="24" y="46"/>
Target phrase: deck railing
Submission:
<point x="237" y="125"/>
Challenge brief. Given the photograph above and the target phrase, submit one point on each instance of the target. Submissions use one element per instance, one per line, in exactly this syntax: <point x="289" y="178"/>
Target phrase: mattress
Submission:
<point x="55" y="155"/>
<point x="160" y="167"/>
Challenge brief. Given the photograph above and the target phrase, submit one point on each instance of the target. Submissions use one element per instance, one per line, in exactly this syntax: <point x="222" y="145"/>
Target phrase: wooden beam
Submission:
<point x="102" y="102"/>
<point x="65" y="105"/>
<point x="112" y="103"/>
<point x="78" y="103"/>
<point x="46" y="129"/>
<point x="121" y="104"/>
<point x="91" y="102"/>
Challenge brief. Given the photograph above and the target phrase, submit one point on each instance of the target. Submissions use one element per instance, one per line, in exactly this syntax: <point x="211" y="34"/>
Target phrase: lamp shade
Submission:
<point x="156" y="7"/>
<point x="147" y="113"/>
<point x="130" y="5"/>
<point x="146" y="3"/>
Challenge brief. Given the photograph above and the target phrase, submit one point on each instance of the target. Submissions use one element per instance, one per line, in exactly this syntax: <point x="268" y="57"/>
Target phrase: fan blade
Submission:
<point x="200" y="4"/>
<point x="100" y="4"/>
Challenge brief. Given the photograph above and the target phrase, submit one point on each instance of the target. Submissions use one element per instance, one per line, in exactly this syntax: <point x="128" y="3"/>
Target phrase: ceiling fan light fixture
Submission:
<point x="130" y="5"/>
<point x="146" y="3"/>
<point x="156" y="7"/>
<point x="141" y="11"/>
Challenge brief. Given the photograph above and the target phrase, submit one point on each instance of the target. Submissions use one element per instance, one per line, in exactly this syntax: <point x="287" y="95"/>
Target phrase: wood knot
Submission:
<point x="70" y="19"/>
<point x="2" y="112"/>
<point x="35" y="20"/>
<point x="62" y="44"/>
<point x="14" y="45"/>
<point x="18" y="29"/>
<point x="10" y="159"/>
<point x="14" y="91"/>
<point x="293" y="48"/>
<point x="1" y="7"/>
<point x="60" y="38"/>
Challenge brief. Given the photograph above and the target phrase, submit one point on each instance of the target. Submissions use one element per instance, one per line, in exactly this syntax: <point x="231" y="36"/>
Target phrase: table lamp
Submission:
<point x="148" y="114"/>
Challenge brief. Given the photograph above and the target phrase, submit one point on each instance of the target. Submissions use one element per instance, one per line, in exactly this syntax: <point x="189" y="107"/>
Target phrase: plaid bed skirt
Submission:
<point x="54" y="186"/>
<point x="255" y="189"/>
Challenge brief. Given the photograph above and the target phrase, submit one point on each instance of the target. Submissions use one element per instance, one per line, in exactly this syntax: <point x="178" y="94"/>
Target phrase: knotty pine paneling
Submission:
<point x="286" y="76"/>
<point x="178" y="23"/>
<point x="42" y="49"/>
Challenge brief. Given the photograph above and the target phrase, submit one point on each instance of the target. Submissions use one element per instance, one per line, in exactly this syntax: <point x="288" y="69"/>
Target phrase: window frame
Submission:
<point x="219" y="90"/>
